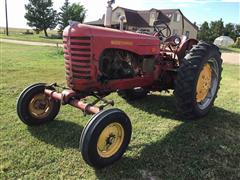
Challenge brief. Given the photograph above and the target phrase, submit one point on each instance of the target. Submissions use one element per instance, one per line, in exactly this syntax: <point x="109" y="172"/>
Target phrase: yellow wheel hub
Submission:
<point x="110" y="140"/>
<point x="204" y="83"/>
<point x="40" y="106"/>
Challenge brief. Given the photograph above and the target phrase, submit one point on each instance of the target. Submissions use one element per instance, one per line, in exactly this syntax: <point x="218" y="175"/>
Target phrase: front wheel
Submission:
<point x="105" y="138"/>
<point x="34" y="107"/>
<point x="198" y="80"/>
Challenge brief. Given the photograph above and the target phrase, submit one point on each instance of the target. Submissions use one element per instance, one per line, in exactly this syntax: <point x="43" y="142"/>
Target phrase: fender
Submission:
<point x="184" y="47"/>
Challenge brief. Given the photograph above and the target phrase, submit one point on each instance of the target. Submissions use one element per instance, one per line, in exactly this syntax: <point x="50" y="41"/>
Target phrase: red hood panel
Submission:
<point x="96" y="31"/>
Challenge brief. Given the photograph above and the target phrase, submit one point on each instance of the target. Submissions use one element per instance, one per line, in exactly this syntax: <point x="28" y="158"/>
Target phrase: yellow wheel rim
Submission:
<point x="110" y="140"/>
<point x="204" y="83"/>
<point x="40" y="106"/>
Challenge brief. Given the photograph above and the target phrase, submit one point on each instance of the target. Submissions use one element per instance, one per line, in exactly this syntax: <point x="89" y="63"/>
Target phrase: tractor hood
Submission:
<point x="89" y="30"/>
<point x="104" y="38"/>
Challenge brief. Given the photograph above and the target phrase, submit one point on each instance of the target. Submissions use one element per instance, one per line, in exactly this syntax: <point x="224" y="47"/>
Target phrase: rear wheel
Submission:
<point x="34" y="107"/>
<point x="105" y="138"/>
<point x="133" y="94"/>
<point x="198" y="79"/>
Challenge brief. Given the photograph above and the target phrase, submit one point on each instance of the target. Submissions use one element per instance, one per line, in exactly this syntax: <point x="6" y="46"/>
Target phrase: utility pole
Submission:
<point x="6" y="17"/>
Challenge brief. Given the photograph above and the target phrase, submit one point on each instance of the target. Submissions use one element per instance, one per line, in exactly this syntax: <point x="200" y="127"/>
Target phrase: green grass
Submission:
<point x="17" y="34"/>
<point x="163" y="146"/>
<point x="230" y="49"/>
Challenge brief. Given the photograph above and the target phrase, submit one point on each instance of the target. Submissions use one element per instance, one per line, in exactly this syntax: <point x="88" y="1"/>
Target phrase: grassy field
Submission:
<point x="163" y="146"/>
<point x="231" y="49"/>
<point x="17" y="34"/>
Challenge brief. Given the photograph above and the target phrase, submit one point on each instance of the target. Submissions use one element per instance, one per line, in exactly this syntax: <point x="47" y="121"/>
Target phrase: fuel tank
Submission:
<point x="84" y="44"/>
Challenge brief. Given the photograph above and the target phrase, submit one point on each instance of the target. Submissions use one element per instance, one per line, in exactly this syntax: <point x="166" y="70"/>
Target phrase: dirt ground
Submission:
<point x="231" y="58"/>
<point x="28" y="42"/>
<point x="228" y="58"/>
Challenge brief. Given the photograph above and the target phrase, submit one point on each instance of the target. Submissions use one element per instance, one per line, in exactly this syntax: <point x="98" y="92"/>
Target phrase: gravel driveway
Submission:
<point x="228" y="58"/>
<point x="231" y="58"/>
<point x="29" y="42"/>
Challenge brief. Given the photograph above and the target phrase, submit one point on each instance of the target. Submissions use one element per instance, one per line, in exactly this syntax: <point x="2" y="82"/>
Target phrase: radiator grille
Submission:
<point x="77" y="55"/>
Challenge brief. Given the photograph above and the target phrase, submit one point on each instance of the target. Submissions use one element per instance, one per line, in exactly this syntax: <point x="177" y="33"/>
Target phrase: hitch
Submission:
<point x="71" y="97"/>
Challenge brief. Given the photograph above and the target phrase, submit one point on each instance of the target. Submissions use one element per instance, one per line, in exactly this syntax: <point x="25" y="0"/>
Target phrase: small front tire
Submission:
<point x="105" y="138"/>
<point x="34" y="107"/>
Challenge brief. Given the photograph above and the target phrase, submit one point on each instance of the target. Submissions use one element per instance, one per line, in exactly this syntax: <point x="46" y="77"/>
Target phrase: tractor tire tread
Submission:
<point x="186" y="79"/>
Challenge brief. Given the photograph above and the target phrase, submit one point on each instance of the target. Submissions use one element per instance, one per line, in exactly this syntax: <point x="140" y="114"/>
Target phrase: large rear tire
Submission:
<point x="197" y="81"/>
<point x="105" y="138"/>
<point x="34" y="107"/>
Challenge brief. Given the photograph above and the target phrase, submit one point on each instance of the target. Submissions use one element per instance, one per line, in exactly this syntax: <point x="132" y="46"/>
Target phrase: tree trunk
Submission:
<point x="45" y="32"/>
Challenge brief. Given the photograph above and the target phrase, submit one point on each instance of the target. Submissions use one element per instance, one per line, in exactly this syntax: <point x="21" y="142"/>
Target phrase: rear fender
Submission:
<point x="185" y="46"/>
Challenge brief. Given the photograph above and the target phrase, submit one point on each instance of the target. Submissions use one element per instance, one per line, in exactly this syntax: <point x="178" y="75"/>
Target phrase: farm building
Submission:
<point x="135" y="20"/>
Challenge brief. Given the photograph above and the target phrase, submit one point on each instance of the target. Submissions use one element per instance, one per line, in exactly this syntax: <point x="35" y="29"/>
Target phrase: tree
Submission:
<point x="237" y="30"/>
<point x="204" y="32"/>
<point x="41" y="15"/>
<point x="74" y="12"/>
<point x="64" y="15"/>
<point x="217" y="29"/>
<point x="229" y="30"/>
<point x="210" y="32"/>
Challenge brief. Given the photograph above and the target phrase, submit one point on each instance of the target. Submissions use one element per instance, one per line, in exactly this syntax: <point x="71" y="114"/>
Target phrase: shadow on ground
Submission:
<point x="204" y="149"/>
<point x="163" y="106"/>
<point x="60" y="133"/>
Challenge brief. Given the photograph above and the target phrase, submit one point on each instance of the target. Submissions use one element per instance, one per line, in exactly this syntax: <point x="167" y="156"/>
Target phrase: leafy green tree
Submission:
<point x="217" y="29"/>
<point x="64" y="15"/>
<point x="237" y="30"/>
<point x="204" y="32"/>
<point x="229" y="30"/>
<point x="41" y="15"/>
<point x="74" y="12"/>
<point x="209" y="32"/>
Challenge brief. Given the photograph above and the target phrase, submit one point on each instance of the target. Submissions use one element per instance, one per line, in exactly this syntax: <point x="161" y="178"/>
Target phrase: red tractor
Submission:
<point x="99" y="61"/>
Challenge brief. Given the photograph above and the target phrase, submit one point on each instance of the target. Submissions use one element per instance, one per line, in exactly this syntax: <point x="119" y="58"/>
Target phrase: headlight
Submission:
<point x="177" y="40"/>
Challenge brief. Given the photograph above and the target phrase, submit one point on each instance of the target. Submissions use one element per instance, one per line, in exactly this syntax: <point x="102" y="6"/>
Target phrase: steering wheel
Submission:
<point x="162" y="29"/>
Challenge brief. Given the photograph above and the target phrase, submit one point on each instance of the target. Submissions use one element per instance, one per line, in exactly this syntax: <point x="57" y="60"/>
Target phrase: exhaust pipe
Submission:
<point x="108" y="16"/>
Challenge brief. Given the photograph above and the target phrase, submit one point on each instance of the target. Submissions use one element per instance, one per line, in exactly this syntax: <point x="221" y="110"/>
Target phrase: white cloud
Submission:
<point x="231" y="1"/>
<point x="16" y="13"/>
<point x="96" y="8"/>
<point x="191" y="1"/>
<point x="184" y="5"/>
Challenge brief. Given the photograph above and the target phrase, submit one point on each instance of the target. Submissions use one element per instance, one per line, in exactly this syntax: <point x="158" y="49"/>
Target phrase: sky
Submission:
<point x="195" y="10"/>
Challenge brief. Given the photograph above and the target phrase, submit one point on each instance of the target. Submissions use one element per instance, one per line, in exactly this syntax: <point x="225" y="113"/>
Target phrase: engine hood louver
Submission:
<point x="78" y="57"/>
